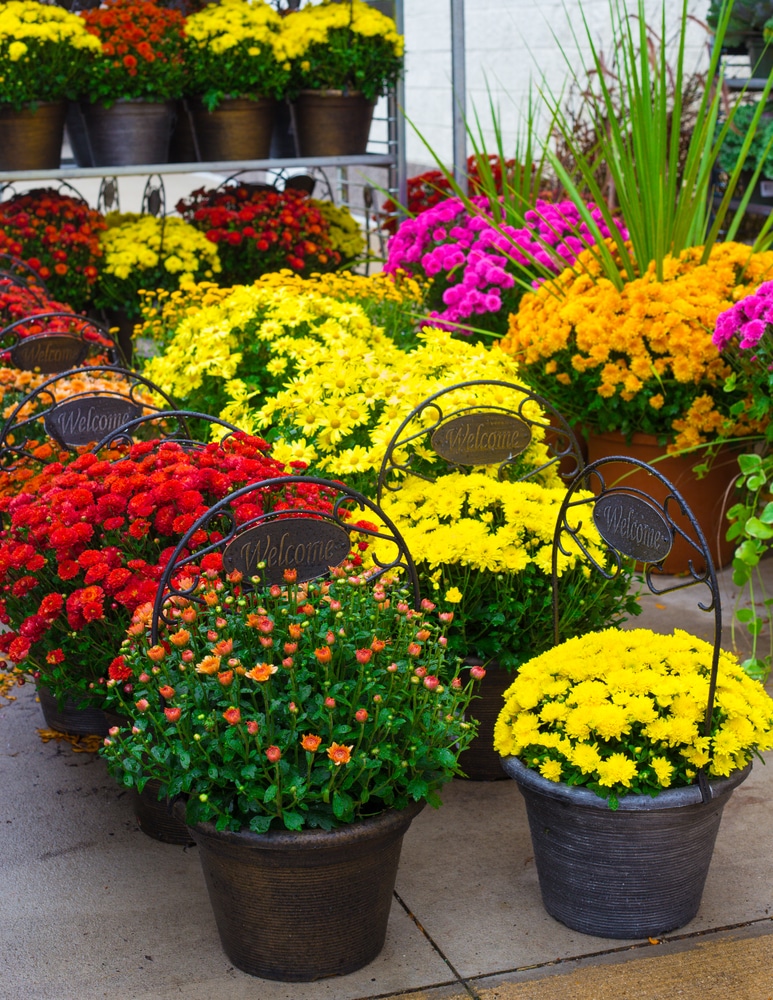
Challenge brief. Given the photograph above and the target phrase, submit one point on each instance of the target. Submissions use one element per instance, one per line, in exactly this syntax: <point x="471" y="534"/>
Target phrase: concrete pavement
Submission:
<point x="91" y="908"/>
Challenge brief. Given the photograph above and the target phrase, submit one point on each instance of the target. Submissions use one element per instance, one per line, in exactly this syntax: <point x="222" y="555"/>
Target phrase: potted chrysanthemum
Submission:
<point x="129" y="89"/>
<point x="43" y="52"/>
<point x="606" y="736"/>
<point x="235" y="74"/>
<point x="88" y="546"/>
<point x="342" y="57"/>
<point x="303" y="726"/>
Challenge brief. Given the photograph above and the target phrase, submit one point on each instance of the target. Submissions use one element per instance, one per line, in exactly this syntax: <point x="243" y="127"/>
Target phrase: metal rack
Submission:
<point x="335" y="171"/>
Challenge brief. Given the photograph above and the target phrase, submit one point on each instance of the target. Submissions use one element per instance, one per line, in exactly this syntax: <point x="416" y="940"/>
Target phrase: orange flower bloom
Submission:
<point x="339" y="753"/>
<point x="226" y="677"/>
<point x="156" y="653"/>
<point x="209" y="665"/>
<point x="311" y="743"/>
<point x="232" y="716"/>
<point x="181" y="638"/>
<point x="323" y="655"/>
<point x="223" y="648"/>
<point x="261" y="671"/>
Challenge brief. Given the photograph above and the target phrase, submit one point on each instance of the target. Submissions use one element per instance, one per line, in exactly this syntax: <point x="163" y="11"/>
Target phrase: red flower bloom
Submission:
<point x="118" y="670"/>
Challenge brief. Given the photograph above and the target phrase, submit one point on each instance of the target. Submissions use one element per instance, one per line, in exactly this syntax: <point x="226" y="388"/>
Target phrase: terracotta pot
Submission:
<point x="32" y="139"/>
<point x="332" y="123"/>
<point x="129" y="132"/>
<point x="480" y="761"/>
<point x="238" y="129"/>
<point x="301" y="906"/>
<point x="709" y="497"/>
<point x="634" y="872"/>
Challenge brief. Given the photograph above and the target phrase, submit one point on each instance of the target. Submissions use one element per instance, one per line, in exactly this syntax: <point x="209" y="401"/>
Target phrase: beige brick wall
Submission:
<point x="508" y="43"/>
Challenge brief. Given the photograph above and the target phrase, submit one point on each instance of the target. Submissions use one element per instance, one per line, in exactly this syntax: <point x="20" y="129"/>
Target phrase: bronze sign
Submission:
<point x="85" y="419"/>
<point x="481" y="438"/>
<point x="305" y="544"/>
<point x="48" y="353"/>
<point x="633" y="527"/>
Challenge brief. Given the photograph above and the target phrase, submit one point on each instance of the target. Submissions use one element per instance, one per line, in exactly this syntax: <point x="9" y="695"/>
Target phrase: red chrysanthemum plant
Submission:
<point x="57" y="235"/>
<point x="87" y="548"/>
<point x="257" y="231"/>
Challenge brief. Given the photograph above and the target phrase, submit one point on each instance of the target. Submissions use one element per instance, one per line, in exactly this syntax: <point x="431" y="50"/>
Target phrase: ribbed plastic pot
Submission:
<point x="129" y="132"/>
<point x="238" y="128"/>
<point x="302" y="906"/>
<point x="155" y="816"/>
<point x="634" y="872"/>
<point x="67" y="717"/>
<point x="31" y="139"/>
<point x="480" y="761"/>
<point x="332" y="123"/>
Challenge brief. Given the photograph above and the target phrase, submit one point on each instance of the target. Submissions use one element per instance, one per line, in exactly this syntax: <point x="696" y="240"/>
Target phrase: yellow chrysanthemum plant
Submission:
<point x="639" y="358"/>
<point x="483" y="550"/>
<point x="622" y="712"/>
<point x="43" y="52"/>
<point x="234" y="354"/>
<point x="342" y="46"/>
<point x="148" y="252"/>
<point x="233" y="49"/>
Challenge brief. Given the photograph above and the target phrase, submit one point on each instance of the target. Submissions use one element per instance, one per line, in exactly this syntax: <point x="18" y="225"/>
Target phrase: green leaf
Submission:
<point x="757" y="529"/>
<point x="292" y="820"/>
<point x="343" y="806"/>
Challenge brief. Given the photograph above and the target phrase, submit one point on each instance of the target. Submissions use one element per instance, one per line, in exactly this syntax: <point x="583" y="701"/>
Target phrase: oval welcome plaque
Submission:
<point x="481" y="438"/>
<point x="84" y="420"/>
<point x="305" y="544"/>
<point x="633" y="527"/>
<point x="48" y="353"/>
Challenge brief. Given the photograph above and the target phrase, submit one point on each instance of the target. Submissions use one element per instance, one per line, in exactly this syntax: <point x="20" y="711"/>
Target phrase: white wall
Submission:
<point x="508" y="43"/>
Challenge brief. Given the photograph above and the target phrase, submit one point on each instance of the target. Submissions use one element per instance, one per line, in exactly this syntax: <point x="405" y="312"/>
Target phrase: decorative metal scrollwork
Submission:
<point x="23" y="275"/>
<point x="635" y="525"/>
<point x="478" y="433"/>
<point x="56" y="350"/>
<point x="81" y="417"/>
<point x="154" y="197"/>
<point x="302" y="538"/>
<point x="173" y="425"/>
<point x="108" y="199"/>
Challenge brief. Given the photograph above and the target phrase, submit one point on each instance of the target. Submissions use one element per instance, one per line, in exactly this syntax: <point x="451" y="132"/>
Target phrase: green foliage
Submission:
<point x="299" y="707"/>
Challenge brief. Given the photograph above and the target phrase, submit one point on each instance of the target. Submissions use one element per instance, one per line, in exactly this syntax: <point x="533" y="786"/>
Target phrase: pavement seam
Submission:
<point x="468" y="987"/>
<point x="639" y="947"/>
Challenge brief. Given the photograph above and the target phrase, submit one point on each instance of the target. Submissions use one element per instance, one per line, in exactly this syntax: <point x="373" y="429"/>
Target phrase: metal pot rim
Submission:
<point x="669" y="798"/>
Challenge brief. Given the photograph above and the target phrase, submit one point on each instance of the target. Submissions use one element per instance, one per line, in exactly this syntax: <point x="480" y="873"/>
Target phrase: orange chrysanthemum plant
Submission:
<point x="292" y="707"/>
<point x="639" y="357"/>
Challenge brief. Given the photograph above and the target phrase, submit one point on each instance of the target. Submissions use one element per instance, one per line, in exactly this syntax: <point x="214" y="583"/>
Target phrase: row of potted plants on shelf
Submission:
<point x="227" y="235"/>
<point x="126" y="62"/>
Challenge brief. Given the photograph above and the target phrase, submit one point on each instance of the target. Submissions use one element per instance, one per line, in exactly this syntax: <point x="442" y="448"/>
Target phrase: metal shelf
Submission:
<point x="216" y="166"/>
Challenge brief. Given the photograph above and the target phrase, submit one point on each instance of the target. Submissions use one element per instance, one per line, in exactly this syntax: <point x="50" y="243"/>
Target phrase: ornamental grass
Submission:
<point x="640" y="358"/>
<point x="83" y="551"/>
<point x="297" y="707"/>
<point x="623" y="712"/>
